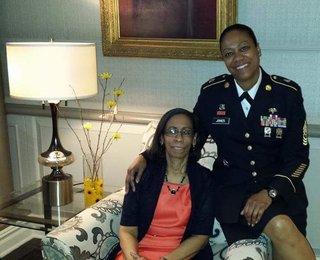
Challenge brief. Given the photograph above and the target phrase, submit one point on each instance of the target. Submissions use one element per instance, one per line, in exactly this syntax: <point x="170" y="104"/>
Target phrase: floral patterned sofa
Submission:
<point x="93" y="233"/>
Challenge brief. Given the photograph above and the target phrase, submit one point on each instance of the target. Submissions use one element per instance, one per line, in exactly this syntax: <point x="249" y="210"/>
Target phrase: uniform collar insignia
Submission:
<point x="268" y="87"/>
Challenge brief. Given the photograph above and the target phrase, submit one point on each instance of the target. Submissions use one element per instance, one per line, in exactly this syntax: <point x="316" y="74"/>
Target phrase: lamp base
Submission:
<point x="57" y="188"/>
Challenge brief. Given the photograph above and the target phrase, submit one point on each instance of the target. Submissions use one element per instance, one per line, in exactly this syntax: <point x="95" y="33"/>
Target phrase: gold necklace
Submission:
<point x="173" y="191"/>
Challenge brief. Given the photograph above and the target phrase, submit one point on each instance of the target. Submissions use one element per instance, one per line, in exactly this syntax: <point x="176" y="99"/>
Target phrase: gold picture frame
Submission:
<point x="175" y="48"/>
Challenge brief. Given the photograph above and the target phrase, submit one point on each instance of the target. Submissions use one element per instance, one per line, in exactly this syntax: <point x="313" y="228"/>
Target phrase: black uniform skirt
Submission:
<point x="241" y="229"/>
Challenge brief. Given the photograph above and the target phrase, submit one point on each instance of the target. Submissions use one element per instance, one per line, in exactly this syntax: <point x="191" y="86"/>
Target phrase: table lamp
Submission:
<point x="53" y="71"/>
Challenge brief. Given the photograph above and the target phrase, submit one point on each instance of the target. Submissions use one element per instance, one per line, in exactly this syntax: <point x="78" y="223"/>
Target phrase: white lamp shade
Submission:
<point x="52" y="70"/>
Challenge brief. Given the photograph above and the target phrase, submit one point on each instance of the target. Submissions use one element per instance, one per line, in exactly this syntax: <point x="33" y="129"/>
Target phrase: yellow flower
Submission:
<point x="87" y="126"/>
<point x="116" y="136"/>
<point x="106" y="75"/>
<point x="109" y="107"/>
<point x="118" y="92"/>
<point x="111" y="103"/>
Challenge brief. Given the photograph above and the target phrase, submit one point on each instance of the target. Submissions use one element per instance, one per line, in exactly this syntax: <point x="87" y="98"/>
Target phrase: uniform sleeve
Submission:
<point x="295" y="150"/>
<point x="204" y="218"/>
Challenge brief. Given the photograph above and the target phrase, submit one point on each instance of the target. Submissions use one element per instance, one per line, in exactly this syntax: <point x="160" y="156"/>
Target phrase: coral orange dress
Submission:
<point x="168" y="224"/>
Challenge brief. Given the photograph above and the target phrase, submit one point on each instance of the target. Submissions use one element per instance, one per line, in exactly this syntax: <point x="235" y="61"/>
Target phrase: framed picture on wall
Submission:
<point x="179" y="29"/>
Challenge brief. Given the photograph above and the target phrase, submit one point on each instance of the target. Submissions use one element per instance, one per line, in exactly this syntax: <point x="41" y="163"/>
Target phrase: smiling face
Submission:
<point x="178" y="147"/>
<point x="241" y="57"/>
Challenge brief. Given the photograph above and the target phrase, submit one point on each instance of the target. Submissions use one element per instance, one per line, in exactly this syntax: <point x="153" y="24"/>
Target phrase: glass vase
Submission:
<point x="92" y="180"/>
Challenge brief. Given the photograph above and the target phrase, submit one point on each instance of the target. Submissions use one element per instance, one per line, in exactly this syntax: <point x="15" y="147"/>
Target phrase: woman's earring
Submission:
<point x="161" y="142"/>
<point x="259" y="52"/>
<point x="194" y="142"/>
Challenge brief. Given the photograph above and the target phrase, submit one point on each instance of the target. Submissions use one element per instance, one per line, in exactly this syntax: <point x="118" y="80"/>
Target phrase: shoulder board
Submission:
<point x="285" y="82"/>
<point x="214" y="81"/>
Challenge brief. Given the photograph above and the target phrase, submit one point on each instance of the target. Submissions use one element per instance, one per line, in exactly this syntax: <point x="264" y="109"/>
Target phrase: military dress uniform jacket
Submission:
<point x="268" y="148"/>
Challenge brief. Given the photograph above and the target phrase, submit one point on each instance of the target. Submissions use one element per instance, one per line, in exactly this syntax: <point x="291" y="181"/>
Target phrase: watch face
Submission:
<point x="273" y="193"/>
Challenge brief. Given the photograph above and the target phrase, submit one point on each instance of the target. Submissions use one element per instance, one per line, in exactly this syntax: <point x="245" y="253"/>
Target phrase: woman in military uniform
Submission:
<point x="258" y="122"/>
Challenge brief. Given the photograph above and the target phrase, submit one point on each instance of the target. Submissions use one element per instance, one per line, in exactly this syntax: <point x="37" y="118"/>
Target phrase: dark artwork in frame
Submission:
<point x="175" y="29"/>
<point x="184" y="19"/>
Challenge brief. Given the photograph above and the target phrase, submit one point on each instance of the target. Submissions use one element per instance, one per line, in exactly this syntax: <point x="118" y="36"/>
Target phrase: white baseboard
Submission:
<point x="13" y="237"/>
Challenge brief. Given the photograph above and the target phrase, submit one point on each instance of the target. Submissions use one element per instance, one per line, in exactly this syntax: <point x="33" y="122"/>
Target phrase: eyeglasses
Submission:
<point x="173" y="132"/>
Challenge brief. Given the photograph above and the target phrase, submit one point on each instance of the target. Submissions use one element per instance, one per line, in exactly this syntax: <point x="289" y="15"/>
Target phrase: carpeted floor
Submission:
<point x="28" y="251"/>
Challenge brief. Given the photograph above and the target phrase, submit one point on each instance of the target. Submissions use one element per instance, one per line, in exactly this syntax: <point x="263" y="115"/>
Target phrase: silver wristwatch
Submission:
<point x="273" y="193"/>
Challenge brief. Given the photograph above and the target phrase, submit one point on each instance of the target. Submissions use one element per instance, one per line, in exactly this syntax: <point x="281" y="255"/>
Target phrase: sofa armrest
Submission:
<point x="259" y="248"/>
<point x="91" y="234"/>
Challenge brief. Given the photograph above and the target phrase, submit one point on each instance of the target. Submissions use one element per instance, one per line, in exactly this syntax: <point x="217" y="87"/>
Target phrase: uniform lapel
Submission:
<point x="260" y="99"/>
<point x="236" y="103"/>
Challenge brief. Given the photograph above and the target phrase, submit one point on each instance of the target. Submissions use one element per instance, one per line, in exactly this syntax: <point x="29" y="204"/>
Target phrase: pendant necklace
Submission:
<point x="173" y="191"/>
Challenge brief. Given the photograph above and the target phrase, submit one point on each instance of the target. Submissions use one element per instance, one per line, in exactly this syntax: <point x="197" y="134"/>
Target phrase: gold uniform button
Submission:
<point x="254" y="174"/>
<point x="252" y="162"/>
<point x="268" y="88"/>
<point x="249" y="147"/>
<point x="246" y="135"/>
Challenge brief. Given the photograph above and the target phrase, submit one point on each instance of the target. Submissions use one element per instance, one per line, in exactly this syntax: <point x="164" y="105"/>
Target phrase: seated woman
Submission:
<point x="170" y="215"/>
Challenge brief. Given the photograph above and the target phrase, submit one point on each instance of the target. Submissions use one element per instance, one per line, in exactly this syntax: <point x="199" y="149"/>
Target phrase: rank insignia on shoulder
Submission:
<point x="211" y="80"/>
<point x="284" y="82"/>
<point x="218" y="78"/>
<point x="281" y="78"/>
<point x="214" y="81"/>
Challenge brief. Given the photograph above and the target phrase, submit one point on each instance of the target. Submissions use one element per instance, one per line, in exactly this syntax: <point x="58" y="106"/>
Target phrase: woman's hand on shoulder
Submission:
<point x="135" y="172"/>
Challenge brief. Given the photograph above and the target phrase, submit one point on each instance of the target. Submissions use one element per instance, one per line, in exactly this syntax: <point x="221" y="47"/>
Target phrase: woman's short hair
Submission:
<point x="157" y="150"/>
<point x="239" y="27"/>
